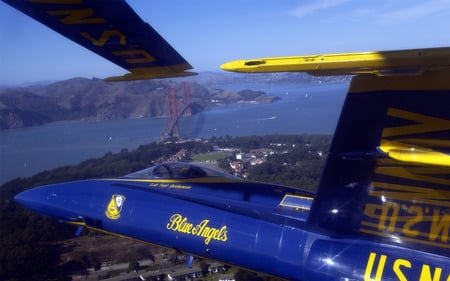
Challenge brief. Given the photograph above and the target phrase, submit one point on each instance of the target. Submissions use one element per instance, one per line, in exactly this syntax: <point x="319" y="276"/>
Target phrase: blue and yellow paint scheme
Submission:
<point x="387" y="176"/>
<point x="382" y="207"/>
<point x="111" y="29"/>
<point x="381" y="210"/>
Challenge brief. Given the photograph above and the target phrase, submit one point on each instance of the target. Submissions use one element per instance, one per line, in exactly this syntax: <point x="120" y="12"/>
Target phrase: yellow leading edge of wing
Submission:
<point x="153" y="73"/>
<point x="413" y="61"/>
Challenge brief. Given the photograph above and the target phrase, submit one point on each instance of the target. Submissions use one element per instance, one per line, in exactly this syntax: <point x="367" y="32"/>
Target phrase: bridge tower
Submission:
<point x="173" y="112"/>
<point x="187" y="98"/>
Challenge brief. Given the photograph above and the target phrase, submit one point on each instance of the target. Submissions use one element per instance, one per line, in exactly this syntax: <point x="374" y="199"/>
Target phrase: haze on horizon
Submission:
<point x="208" y="34"/>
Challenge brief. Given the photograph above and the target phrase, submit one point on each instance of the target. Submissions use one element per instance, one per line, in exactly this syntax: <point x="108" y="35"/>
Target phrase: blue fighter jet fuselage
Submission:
<point x="217" y="216"/>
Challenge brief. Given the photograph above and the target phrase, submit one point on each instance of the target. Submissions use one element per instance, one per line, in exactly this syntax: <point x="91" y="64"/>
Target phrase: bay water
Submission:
<point x="302" y="109"/>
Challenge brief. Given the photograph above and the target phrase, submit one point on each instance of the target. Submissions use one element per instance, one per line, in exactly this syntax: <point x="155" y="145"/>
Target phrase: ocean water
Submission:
<point x="310" y="109"/>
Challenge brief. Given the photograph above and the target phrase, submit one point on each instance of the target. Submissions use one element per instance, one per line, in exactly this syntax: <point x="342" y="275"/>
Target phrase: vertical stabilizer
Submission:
<point x="387" y="176"/>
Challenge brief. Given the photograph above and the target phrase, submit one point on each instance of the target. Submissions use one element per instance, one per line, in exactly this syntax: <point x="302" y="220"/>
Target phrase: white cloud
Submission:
<point x="313" y="7"/>
<point x="415" y="12"/>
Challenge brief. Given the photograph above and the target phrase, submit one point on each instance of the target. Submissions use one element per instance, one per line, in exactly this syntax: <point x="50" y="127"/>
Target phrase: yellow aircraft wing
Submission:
<point x="413" y="61"/>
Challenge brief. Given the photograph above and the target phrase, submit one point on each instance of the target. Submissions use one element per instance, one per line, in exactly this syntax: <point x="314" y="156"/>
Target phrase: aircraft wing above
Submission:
<point x="113" y="30"/>
<point x="414" y="61"/>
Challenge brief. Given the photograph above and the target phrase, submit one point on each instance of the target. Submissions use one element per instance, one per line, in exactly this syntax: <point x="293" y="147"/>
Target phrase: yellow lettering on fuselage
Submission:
<point x="418" y="223"/>
<point x="369" y="267"/>
<point x="439" y="226"/>
<point x="398" y="264"/>
<point x="180" y="224"/>
<point x="401" y="268"/>
<point x="417" y="217"/>
<point x="425" y="274"/>
<point x="424" y="124"/>
<point x="170" y="185"/>
<point x="422" y="174"/>
<point x="406" y="200"/>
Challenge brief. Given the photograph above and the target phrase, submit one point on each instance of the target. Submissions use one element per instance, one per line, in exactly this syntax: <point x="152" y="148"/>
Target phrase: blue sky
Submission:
<point x="209" y="33"/>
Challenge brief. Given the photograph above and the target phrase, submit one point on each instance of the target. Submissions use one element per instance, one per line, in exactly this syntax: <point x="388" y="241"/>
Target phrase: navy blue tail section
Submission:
<point x="387" y="176"/>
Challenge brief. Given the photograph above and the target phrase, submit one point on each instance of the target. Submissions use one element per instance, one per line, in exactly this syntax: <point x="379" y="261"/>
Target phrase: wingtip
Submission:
<point x="238" y="66"/>
<point x="229" y="66"/>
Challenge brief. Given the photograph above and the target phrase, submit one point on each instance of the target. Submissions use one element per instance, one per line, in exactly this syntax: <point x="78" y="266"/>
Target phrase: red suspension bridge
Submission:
<point x="176" y="110"/>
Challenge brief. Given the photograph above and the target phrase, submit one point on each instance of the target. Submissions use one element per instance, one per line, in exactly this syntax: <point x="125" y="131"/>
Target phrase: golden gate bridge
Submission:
<point x="176" y="110"/>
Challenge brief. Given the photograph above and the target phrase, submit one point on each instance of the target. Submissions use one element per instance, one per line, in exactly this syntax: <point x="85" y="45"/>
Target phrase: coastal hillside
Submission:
<point x="81" y="99"/>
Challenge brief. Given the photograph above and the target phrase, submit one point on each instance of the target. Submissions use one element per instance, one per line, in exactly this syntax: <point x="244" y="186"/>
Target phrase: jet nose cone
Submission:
<point x="22" y="198"/>
<point x="36" y="199"/>
<point x="64" y="201"/>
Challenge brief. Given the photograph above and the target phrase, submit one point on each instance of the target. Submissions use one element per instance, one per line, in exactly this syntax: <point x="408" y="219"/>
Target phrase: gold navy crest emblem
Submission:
<point x="115" y="207"/>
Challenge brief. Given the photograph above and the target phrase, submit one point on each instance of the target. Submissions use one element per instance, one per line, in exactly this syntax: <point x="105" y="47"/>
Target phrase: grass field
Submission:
<point x="212" y="156"/>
